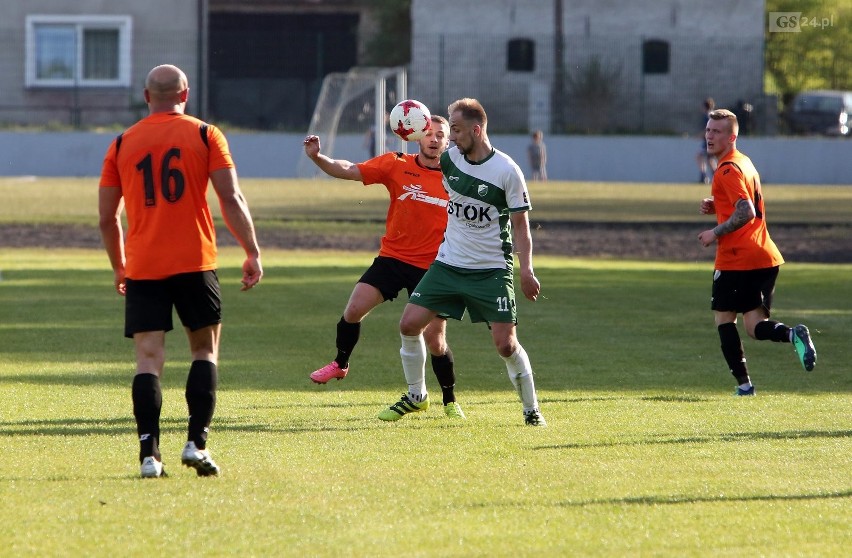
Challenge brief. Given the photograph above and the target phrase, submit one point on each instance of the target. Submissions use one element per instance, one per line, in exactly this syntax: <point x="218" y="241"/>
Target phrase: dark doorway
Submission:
<point x="655" y="57"/>
<point x="266" y="69"/>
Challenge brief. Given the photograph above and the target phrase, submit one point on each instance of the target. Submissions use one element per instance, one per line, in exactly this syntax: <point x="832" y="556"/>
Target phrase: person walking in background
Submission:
<point x="473" y="270"/>
<point x="706" y="162"/>
<point x="369" y="142"/>
<point x="747" y="260"/>
<point x="415" y="223"/>
<point x="158" y="170"/>
<point x="537" y="156"/>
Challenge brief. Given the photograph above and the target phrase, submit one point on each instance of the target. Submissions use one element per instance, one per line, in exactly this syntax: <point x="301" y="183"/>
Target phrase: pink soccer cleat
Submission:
<point x="328" y="372"/>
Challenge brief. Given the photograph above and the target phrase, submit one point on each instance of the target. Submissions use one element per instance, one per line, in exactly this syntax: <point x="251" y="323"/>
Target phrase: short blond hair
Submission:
<point x="471" y="109"/>
<point x="440" y="120"/>
<point x="725" y="114"/>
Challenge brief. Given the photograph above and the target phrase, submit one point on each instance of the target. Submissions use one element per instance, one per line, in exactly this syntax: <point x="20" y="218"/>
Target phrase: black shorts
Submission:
<point x="743" y="291"/>
<point x="390" y="275"/>
<point x="195" y="296"/>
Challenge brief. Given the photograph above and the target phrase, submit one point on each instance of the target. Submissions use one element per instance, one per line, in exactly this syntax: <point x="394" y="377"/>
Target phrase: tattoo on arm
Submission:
<point x="743" y="213"/>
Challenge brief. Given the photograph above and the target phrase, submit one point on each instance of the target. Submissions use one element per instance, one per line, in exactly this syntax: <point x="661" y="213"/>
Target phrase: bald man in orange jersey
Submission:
<point x="158" y="170"/>
<point x="747" y="260"/>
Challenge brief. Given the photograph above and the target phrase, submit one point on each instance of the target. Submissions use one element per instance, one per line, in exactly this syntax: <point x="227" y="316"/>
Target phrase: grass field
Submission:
<point x="51" y="200"/>
<point x="646" y="453"/>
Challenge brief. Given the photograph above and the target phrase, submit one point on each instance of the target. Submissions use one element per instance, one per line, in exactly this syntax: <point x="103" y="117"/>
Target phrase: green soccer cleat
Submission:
<point x="403" y="407"/>
<point x="804" y="347"/>
<point x="454" y="411"/>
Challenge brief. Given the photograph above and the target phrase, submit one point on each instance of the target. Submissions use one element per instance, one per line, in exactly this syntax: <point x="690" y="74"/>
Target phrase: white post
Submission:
<point x="380" y="125"/>
<point x="401" y="95"/>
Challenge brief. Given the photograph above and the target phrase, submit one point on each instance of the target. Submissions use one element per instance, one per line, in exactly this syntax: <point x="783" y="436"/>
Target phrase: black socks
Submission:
<point x="772" y="331"/>
<point x="147" y="403"/>
<point x="443" y="367"/>
<point x="201" y="400"/>
<point x="732" y="350"/>
<point x="347" y="338"/>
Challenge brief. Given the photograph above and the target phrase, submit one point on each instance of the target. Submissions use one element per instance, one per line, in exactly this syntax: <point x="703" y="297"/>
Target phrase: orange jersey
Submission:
<point x="162" y="165"/>
<point x="750" y="246"/>
<point x="417" y="215"/>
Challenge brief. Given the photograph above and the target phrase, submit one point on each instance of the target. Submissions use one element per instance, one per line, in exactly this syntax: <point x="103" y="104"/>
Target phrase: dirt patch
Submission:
<point x="667" y="242"/>
<point x="679" y="241"/>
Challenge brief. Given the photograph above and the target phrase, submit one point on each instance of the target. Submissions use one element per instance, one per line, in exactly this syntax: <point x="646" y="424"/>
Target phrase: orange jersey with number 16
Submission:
<point x="162" y="165"/>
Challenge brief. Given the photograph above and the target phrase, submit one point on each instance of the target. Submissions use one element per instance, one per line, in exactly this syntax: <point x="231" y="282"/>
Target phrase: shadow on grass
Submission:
<point x="126" y="426"/>
<point x="381" y="384"/>
<point x="652" y="398"/>
<point x="124" y="379"/>
<point x="674" y="500"/>
<point x="733" y="437"/>
<point x="77" y="426"/>
<point x="677" y="500"/>
<point x="676" y="398"/>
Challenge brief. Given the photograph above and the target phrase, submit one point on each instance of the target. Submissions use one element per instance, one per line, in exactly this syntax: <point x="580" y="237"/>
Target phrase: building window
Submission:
<point x="78" y="51"/>
<point x="655" y="57"/>
<point x="520" y="55"/>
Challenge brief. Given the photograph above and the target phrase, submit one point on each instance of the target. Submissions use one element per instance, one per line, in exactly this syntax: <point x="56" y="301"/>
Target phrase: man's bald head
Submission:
<point x="166" y="86"/>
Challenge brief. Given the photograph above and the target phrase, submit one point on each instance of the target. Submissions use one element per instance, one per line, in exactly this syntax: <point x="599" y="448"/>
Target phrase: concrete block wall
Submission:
<point x="716" y="50"/>
<point x="585" y="158"/>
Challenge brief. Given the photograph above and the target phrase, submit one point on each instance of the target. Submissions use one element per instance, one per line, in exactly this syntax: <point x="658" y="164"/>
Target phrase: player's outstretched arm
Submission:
<point x="336" y="168"/>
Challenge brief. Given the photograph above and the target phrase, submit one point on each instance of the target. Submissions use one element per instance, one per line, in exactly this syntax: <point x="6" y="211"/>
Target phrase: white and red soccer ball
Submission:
<point x="410" y="120"/>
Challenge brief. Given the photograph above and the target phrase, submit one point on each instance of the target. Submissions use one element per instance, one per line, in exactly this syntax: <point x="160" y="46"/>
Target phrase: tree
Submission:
<point x="592" y="89"/>
<point x="819" y="56"/>
<point x="391" y="44"/>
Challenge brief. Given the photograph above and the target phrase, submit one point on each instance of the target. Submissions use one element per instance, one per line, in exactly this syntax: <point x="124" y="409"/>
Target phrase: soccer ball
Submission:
<point x="410" y="120"/>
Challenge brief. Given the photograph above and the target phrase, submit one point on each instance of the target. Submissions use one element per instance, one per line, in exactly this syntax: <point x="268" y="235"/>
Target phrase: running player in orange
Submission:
<point x="416" y="219"/>
<point x="158" y="170"/>
<point x="747" y="261"/>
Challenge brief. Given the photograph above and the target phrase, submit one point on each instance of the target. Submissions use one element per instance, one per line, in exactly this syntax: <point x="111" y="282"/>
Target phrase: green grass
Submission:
<point x="54" y="200"/>
<point x="647" y="453"/>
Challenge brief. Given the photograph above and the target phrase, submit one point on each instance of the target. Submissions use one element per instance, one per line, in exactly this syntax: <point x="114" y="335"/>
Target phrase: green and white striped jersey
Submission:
<point x="482" y="196"/>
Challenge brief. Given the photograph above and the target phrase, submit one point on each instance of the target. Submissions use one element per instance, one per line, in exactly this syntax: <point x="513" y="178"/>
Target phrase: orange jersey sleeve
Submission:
<point x="749" y="247"/>
<point x="417" y="215"/>
<point x="162" y="165"/>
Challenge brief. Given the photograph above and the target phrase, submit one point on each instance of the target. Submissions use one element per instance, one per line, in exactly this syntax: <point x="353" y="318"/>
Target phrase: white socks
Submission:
<point x="521" y="375"/>
<point x="413" y="354"/>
